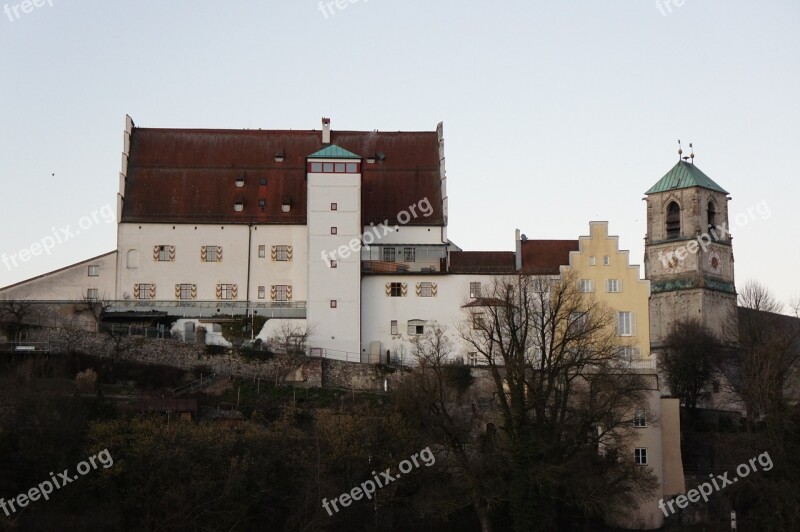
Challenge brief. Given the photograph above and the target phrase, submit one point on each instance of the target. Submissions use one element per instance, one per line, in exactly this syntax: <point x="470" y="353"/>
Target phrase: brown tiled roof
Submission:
<point x="486" y="262"/>
<point x="545" y="257"/>
<point x="188" y="175"/>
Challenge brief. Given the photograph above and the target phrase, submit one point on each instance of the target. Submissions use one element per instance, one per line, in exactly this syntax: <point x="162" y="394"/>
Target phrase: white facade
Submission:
<point x="334" y="266"/>
<point x="91" y="279"/>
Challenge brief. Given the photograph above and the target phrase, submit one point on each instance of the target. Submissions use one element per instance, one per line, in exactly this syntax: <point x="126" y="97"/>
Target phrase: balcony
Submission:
<point x="411" y="259"/>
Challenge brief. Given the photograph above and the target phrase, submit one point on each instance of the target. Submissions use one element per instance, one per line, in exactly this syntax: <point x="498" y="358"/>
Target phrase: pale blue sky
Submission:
<point x="556" y="113"/>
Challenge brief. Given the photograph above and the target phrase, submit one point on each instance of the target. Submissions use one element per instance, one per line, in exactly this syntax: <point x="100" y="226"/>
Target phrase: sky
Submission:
<point x="555" y="113"/>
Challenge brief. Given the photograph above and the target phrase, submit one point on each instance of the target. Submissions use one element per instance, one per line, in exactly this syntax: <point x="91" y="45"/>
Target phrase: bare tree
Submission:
<point x="438" y="398"/>
<point x="554" y="354"/>
<point x="292" y="338"/>
<point x="761" y="368"/>
<point x="13" y="317"/>
<point x="691" y="356"/>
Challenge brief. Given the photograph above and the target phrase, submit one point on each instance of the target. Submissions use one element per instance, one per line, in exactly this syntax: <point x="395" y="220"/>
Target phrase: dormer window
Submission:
<point x="279" y="157"/>
<point x="239" y="182"/>
<point x="238" y="206"/>
<point x="286" y="206"/>
<point x="673" y="221"/>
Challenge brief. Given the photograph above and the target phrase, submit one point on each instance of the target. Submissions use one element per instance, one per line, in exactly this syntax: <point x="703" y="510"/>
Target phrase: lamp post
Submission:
<point x="253" y="324"/>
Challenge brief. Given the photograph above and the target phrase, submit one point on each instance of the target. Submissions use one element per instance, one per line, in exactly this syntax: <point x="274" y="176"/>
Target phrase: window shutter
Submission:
<point x="219" y="253"/>
<point x="136" y="291"/>
<point x="203" y="254"/>
<point x="155" y="252"/>
<point x="177" y="291"/>
<point x="152" y="291"/>
<point x="219" y="291"/>
<point x="274" y="253"/>
<point x="273" y="292"/>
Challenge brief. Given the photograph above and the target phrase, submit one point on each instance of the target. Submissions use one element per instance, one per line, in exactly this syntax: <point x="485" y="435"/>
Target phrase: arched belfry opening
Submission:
<point x="673" y="221"/>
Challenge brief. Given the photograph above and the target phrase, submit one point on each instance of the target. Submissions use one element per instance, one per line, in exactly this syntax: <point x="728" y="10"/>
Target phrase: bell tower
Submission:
<point x="688" y="251"/>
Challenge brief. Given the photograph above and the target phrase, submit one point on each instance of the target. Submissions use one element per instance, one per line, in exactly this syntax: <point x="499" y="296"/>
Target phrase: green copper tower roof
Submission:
<point x="334" y="152"/>
<point x="684" y="175"/>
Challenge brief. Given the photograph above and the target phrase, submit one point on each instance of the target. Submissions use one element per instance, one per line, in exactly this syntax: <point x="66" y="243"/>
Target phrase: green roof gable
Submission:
<point x="684" y="175"/>
<point x="334" y="152"/>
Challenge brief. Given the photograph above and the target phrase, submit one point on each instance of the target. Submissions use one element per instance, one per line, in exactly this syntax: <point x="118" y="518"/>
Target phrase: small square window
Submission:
<point x="93" y="294"/>
<point x="238" y="206"/>
<point x="263" y="182"/>
<point x="262" y="292"/>
<point x="334" y="206"/>
<point x="239" y="182"/>
<point x="388" y="254"/>
<point x="212" y="254"/>
<point x="396" y="290"/>
<point x="474" y="290"/>
<point x="409" y="254"/>
<point x="592" y="260"/>
<point x="262" y="252"/>
<point x="639" y="419"/>
<point x="327" y="168"/>
<point x="394" y="327"/>
<point x="416" y="327"/>
<point x="352" y="168"/>
<point x="333" y="303"/>
<point x="477" y="320"/>
<point x="282" y="253"/>
<point x="316" y="167"/>
<point x="334" y="230"/>
<point x="340" y="168"/>
<point x="94" y="271"/>
<point x="425" y="290"/>
<point x="334" y="264"/>
<point x="606" y="260"/>
<point x="262" y="204"/>
<point x="163" y="253"/>
<point x="640" y="455"/>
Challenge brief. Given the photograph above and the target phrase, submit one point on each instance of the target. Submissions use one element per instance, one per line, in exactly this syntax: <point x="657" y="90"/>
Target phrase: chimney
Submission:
<point x="518" y="254"/>
<point x="326" y="130"/>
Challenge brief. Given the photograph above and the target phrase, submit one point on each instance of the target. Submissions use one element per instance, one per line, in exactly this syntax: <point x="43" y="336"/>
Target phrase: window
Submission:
<point x="94" y="271"/>
<point x="330" y="168"/>
<point x="606" y="260"/>
<point x="477" y="320"/>
<point x="625" y="323"/>
<point x="396" y="290"/>
<point x="144" y="291"/>
<point x="262" y="252"/>
<point x="586" y="285"/>
<point x="212" y="253"/>
<point x="93" y="294"/>
<point x="238" y="206"/>
<point x="613" y="285"/>
<point x="334" y="206"/>
<point x="316" y="168"/>
<point x="388" y="254"/>
<point x="628" y="353"/>
<point x="592" y="260"/>
<point x="416" y="327"/>
<point x="226" y="292"/>
<point x="334" y="231"/>
<point x="394" y="327"/>
<point x="282" y="292"/>
<point x="334" y="264"/>
<point x="425" y="290"/>
<point x="474" y="290"/>
<point x="163" y="253"/>
<point x="327" y="167"/>
<point x="286" y="206"/>
<point x="640" y="455"/>
<point x="472" y="358"/>
<point x="263" y="181"/>
<point x="262" y="292"/>
<point x="352" y="168"/>
<point x="262" y="204"/>
<point x="239" y="182"/>
<point x="409" y="254"/>
<point x="185" y="292"/>
<point x="673" y="221"/>
<point x="640" y="421"/>
<point x="712" y="215"/>
<point x="333" y="303"/>
<point x="282" y="253"/>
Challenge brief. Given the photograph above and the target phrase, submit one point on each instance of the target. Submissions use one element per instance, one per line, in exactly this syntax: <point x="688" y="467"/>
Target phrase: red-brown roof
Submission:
<point x="188" y="175"/>
<point x="545" y="257"/>
<point x="486" y="262"/>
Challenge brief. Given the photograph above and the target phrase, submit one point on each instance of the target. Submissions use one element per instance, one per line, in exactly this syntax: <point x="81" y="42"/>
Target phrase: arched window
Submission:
<point x="416" y="327"/>
<point x="673" y="221"/>
<point x="712" y="215"/>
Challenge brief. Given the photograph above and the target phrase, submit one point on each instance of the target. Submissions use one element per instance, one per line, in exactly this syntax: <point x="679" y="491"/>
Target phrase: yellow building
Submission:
<point x="605" y="271"/>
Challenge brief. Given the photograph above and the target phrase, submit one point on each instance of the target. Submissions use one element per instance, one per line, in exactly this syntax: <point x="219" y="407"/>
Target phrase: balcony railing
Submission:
<point x="379" y="266"/>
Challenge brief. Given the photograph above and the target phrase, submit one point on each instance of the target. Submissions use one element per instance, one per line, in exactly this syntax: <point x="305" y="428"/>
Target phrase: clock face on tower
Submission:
<point x="715" y="262"/>
<point x="671" y="262"/>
